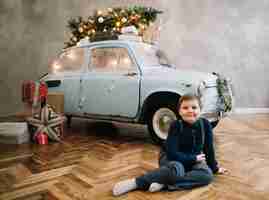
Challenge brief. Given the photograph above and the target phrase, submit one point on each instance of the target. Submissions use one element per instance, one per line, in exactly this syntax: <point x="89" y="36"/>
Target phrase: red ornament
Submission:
<point x="34" y="91"/>
<point x="42" y="138"/>
<point x="28" y="90"/>
<point x="43" y="90"/>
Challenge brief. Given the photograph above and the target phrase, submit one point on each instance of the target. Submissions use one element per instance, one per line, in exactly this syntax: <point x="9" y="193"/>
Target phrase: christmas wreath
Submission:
<point x="224" y="92"/>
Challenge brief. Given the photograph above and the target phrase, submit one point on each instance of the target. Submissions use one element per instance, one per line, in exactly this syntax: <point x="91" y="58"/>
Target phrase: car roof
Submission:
<point x="87" y="43"/>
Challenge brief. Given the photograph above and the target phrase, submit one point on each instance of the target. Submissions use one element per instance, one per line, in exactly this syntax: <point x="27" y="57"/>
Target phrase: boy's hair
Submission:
<point x="188" y="97"/>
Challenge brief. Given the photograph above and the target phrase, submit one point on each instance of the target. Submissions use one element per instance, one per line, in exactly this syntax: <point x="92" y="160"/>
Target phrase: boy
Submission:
<point x="189" y="160"/>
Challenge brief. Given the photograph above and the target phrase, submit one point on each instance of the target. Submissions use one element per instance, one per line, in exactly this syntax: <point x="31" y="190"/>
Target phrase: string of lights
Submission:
<point x="108" y="23"/>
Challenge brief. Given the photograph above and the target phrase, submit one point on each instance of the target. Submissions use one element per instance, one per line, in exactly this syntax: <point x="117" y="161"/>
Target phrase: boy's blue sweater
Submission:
<point x="185" y="145"/>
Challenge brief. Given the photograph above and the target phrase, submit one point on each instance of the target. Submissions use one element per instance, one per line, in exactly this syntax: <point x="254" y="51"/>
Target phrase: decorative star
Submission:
<point x="48" y="122"/>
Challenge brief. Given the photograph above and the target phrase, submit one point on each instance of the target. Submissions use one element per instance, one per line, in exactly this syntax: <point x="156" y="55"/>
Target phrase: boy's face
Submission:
<point x="190" y="111"/>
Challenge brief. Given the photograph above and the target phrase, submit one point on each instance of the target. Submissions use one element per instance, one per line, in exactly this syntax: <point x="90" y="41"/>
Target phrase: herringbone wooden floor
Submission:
<point x="94" y="156"/>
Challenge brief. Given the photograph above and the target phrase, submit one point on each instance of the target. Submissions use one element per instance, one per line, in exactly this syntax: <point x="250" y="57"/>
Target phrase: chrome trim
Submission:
<point x="211" y="116"/>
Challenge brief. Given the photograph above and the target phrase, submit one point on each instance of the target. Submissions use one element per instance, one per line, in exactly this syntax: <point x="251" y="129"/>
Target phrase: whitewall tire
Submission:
<point x="159" y="123"/>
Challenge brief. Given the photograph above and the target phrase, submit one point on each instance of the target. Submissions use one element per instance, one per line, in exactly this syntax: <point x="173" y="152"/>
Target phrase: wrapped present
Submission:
<point x="48" y="122"/>
<point x="56" y="100"/>
<point x="14" y="133"/>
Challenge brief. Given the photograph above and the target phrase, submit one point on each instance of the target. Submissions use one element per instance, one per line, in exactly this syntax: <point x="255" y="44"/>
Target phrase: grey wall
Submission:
<point x="227" y="36"/>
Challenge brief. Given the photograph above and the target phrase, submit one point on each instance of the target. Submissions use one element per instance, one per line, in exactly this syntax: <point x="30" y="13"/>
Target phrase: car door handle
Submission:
<point x="130" y="74"/>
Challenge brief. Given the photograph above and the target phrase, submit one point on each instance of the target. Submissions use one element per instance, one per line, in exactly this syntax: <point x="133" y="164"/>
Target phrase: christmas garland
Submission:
<point x="224" y="93"/>
<point x="108" y="23"/>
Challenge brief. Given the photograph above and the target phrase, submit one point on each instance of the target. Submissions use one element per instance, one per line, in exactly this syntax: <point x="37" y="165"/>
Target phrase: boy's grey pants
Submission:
<point x="173" y="175"/>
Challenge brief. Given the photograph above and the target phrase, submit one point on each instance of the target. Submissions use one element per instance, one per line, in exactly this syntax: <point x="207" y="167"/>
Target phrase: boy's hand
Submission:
<point x="222" y="170"/>
<point x="200" y="157"/>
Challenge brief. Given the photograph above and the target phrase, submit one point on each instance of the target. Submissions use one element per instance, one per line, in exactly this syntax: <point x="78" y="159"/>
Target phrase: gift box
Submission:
<point x="56" y="100"/>
<point x="14" y="133"/>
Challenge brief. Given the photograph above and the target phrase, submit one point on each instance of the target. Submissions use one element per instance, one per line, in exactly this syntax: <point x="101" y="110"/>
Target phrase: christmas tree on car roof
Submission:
<point x="110" y="23"/>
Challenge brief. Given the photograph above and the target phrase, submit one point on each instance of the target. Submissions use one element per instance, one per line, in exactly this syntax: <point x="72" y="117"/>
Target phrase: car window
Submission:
<point x="111" y="59"/>
<point x="150" y="55"/>
<point x="163" y="59"/>
<point x="70" y="60"/>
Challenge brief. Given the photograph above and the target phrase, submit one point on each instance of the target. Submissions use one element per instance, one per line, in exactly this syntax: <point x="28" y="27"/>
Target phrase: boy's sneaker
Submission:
<point x="124" y="187"/>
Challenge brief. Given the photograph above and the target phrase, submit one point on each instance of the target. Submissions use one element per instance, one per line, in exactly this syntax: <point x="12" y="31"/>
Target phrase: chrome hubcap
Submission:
<point x="162" y="120"/>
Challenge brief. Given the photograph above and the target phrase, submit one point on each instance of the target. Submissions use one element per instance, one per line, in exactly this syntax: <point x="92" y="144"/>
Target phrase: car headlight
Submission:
<point x="201" y="88"/>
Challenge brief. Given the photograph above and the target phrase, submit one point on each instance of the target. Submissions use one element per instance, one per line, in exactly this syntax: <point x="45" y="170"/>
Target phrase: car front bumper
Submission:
<point x="214" y="116"/>
<point x="217" y="98"/>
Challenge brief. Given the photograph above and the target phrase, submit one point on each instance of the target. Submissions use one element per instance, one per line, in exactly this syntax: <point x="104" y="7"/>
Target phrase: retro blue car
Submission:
<point x="131" y="81"/>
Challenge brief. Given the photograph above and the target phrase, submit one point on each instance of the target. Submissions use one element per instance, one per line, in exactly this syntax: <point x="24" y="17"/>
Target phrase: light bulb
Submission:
<point x="100" y="20"/>
<point x="123" y="20"/>
<point x="71" y="55"/>
<point x="113" y="62"/>
<point x="126" y="60"/>
<point x="56" y="66"/>
<point x="117" y="24"/>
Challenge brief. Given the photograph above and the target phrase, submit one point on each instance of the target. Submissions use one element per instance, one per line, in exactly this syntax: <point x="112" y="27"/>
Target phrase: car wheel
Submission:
<point x="159" y="123"/>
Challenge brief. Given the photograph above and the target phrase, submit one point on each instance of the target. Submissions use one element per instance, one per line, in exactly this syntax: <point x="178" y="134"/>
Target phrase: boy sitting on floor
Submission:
<point x="189" y="160"/>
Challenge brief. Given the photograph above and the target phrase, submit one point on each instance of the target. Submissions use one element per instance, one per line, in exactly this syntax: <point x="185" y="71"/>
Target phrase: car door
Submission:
<point x="111" y="86"/>
<point x="67" y="69"/>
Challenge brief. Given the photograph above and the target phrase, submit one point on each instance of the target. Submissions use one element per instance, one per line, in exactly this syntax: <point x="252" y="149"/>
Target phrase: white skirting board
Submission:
<point x="251" y="110"/>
